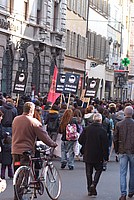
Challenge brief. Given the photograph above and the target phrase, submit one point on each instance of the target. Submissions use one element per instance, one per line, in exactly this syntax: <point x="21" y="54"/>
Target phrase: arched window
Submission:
<point x="7" y="69"/>
<point x="36" y="73"/>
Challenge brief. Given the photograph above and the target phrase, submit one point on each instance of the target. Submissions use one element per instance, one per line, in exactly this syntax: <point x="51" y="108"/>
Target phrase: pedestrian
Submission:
<point x="1" y="136"/>
<point x="9" y="113"/>
<point x="67" y="146"/>
<point x="106" y="125"/>
<point x="88" y="116"/>
<point x="52" y="123"/>
<point x="124" y="146"/>
<point x="25" y="130"/>
<point x="95" y="151"/>
<point x="79" y="120"/>
<point x="6" y="156"/>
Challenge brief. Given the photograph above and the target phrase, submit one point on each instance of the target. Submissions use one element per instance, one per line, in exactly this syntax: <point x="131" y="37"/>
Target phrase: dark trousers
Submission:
<point x="3" y="170"/>
<point x="19" y="160"/>
<point x="89" y="173"/>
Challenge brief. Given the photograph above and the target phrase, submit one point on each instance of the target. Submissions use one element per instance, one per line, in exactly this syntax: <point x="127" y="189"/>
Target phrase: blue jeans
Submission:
<point x="125" y="160"/>
<point x="67" y="147"/>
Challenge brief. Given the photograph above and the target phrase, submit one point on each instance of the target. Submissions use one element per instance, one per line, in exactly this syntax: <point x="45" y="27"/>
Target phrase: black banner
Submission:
<point x="92" y="87"/>
<point x="71" y="83"/>
<point x="20" y="82"/>
<point x="60" y="83"/>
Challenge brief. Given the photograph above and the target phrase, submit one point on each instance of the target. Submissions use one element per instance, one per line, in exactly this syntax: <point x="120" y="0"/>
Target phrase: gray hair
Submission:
<point x="28" y="107"/>
<point x="128" y="111"/>
<point x="97" y="117"/>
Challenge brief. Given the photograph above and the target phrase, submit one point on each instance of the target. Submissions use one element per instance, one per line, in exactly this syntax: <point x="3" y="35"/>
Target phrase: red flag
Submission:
<point x="52" y="95"/>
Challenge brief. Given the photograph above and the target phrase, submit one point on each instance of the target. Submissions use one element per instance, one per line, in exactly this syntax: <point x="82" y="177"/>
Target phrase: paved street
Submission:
<point x="74" y="184"/>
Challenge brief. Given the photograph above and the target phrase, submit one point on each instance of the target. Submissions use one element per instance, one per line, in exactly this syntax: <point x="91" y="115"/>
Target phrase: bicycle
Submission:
<point x="27" y="184"/>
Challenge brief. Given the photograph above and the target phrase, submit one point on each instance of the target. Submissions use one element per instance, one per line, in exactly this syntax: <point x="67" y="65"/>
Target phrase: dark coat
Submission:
<point x="124" y="136"/>
<point x="6" y="154"/>
<point x="53" y="117"/>
<point x="95" y="142"/>
<point x="10" y="112"/>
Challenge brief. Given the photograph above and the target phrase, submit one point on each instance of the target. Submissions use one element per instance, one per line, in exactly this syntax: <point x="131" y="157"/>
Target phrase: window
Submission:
<point x="56" y="20"/>
<point x="26" y="7"/>
<point x="11" y="6"/>
<point x="39" y="6"/>
<point x="3" y="4"/>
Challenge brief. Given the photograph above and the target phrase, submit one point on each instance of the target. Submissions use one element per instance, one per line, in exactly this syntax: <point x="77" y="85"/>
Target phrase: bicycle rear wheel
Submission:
<point x="52" y="182"/>
<point x="24" y="189"/>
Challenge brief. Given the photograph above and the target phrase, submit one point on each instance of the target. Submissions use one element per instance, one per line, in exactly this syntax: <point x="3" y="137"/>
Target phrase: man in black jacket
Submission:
<point x="95" y="151"/>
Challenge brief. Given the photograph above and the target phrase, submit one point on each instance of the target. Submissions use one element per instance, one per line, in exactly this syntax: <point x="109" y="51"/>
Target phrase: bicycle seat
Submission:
<point x="27" y="153"/>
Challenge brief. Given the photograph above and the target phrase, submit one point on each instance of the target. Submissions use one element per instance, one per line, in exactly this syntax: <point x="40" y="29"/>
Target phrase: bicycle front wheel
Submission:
<point x="52" y="182"/>
<point x="24" y="189"/>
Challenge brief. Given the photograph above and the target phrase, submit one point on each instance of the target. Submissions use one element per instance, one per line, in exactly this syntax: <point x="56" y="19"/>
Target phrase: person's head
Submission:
<point x="66" y="118"/>
<point x="128" y="111"/>
<point x="29" y="108"/>
<point x="112" y="107"/>
<point x="64" y="106"/>
<point x="55" y="107"/>
<point x="97" y="118"/>
<point x="100" y="109"/>
<point x="9" y="100"/>
<point x="89" y="109"/>
<point x="77" y="113"/>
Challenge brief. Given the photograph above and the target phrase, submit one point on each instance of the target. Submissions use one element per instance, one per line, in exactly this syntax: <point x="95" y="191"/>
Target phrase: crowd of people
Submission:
<point x="96" y="128"/>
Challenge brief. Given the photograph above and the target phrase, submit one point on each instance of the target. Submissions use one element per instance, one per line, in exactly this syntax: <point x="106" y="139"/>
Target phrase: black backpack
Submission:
<point x="53" y="124"/>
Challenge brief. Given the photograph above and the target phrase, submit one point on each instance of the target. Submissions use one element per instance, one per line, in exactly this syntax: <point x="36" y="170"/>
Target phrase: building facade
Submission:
<point x="86" y="37"/>
<point x="32" y="39"/>
<point x="76" y="41"/>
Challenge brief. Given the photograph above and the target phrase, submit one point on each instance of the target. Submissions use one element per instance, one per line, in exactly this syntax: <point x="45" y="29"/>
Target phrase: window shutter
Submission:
<point x="88" y="43"/>
<point x="75" y="6"/>
<point x="75" y="44"/>
<point x="71" y="43"/>
<point x="79" y="46"/>
<point x="72" y="4"/>
<point x="95" y="2"/>
<point x="107" y="48"/>
<point x="105" y="7"/>
<point x="92" y="40"/>
<point x="69" y="4"/>
<point x="97" y="47"/>
<point x="78" y="7"/>
<point x="100" y="4"/>
<point x="81" y="8"/>
<point x="103" y="47"/>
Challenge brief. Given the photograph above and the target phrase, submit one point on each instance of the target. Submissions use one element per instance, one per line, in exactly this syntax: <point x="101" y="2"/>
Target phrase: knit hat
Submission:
<point x="112" y="105"/>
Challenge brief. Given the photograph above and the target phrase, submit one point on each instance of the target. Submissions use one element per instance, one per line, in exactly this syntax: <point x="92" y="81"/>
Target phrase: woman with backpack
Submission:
<point x="68" y="123"/>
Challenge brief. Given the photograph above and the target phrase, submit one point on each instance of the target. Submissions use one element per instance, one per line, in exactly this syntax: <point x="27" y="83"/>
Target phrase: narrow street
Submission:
<point x="74" y="184"/>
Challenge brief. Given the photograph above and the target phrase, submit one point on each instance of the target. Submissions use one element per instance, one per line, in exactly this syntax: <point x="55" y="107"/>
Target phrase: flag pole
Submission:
<point x="68" y="100"/>
<point x="60" y="100"/>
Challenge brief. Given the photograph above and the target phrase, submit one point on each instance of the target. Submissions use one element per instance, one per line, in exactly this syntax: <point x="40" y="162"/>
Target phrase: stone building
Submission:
<point x="32" y="39"/>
